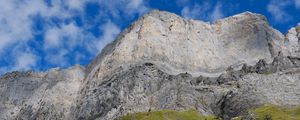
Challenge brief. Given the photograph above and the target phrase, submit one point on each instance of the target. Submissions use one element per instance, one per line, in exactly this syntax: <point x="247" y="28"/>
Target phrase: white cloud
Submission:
<point x="16" y="18"/>
<point x="25" y="61"/>
<point x="196" y="11"/>
<point x="110" y="31"/>
<point x="204" y="11"/>
<point x="52" y="38"/>
<point x="60" y="38"/>
<point x="127" y="7"/>
<point x="136" y="6"/>
<point x="70" y="34"/>
<point x="217" y="12"/>
<point x="58" y="57"/>
<point x="277" y="10"/>
<point x="61" y="41"/>
<point x="15" y="21"/>
<point x="76" y="4"/>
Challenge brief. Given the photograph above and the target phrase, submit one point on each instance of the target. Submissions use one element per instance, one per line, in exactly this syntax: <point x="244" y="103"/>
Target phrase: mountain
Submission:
<point x="165" y="62"/>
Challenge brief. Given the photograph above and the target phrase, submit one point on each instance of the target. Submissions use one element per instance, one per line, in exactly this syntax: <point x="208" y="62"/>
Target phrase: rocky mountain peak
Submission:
<point x="249" y="16"/>
<point x="191" y="46"/>
<point x="165" y="62"/>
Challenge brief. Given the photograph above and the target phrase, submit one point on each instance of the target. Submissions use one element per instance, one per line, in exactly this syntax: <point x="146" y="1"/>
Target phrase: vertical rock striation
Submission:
<point x="47" y="95"/>
<point x="163" y="61"/>
<point x="189" y="45"/>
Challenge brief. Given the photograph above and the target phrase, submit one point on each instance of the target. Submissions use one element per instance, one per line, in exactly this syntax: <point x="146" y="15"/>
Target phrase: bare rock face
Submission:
<point x="292" y="41"/>
<point x="48" y="95"/>
<point x="163" y="61"/>
<point x="191" y="46"/>
<point x="145" y="87"/>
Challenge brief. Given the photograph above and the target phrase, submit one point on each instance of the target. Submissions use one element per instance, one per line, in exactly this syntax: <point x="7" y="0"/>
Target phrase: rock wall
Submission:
<point x="48" y="95"/>
<point x="163" y="61"/>
<point x="190" y="45"/>
<point x="144" y="87"/>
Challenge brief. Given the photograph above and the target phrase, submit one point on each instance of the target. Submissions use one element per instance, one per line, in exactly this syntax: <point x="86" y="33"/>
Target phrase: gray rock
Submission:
<point x="145" y="88"/>
<point x="48" y="95"/>
<point x="190" y="46"/>
<point x="163" y="61"/>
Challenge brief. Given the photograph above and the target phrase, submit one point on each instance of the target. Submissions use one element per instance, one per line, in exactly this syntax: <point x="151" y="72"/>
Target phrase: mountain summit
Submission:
<point x="165" y="62"/>
<point x="190" y="45"/>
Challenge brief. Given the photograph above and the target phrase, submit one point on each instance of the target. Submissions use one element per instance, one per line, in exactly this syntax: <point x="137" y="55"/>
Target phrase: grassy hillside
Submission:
<point x="266" y="112"/>
<point x="272" y="112"/>
<point x="168" y="115"/>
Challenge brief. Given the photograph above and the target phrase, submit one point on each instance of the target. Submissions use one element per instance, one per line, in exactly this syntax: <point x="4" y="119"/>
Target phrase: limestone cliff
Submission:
<point x="46" y="95"/>
<point x="163" y="61"/>
<point x="191" y="46"/>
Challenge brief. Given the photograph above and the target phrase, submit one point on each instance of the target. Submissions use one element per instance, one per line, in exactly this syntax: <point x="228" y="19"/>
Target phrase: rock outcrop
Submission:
<point x="191" y="46"/>
<point x="163" y="61"/>
<point x="47" y="95"/>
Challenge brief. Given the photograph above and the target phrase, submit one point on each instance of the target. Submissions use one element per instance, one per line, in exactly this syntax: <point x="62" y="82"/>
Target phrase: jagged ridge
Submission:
<point x="163" y="61"/>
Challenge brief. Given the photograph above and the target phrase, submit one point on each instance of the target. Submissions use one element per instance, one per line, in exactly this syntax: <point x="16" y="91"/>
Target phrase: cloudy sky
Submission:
<point x="41" y="34"/>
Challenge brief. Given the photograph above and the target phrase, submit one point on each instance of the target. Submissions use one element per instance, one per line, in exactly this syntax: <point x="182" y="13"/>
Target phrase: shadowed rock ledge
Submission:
<point x="164" y="62"/>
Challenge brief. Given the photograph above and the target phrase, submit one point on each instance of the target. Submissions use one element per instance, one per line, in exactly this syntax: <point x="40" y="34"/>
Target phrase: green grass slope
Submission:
<point x="272" y="112"/>
<point x="266" y="112"/>
<point x="168" y="115"/>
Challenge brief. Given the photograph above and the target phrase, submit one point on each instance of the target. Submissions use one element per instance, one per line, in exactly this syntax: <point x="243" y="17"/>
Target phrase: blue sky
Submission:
<point x="42" y="34"/>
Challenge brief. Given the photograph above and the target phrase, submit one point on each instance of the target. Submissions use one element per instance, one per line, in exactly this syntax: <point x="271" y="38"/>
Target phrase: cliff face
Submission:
<point x="163" y="61"/>
<point x="191" y="46"/>
<point x="48" y="95"/>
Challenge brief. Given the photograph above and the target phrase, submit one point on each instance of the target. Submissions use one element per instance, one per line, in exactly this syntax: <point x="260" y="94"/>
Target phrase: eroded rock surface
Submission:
<point x="48" y="95"/>
<point x="144" y="87"/>
<point x="191" y="46"/>
<point x="163" y="61"/>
